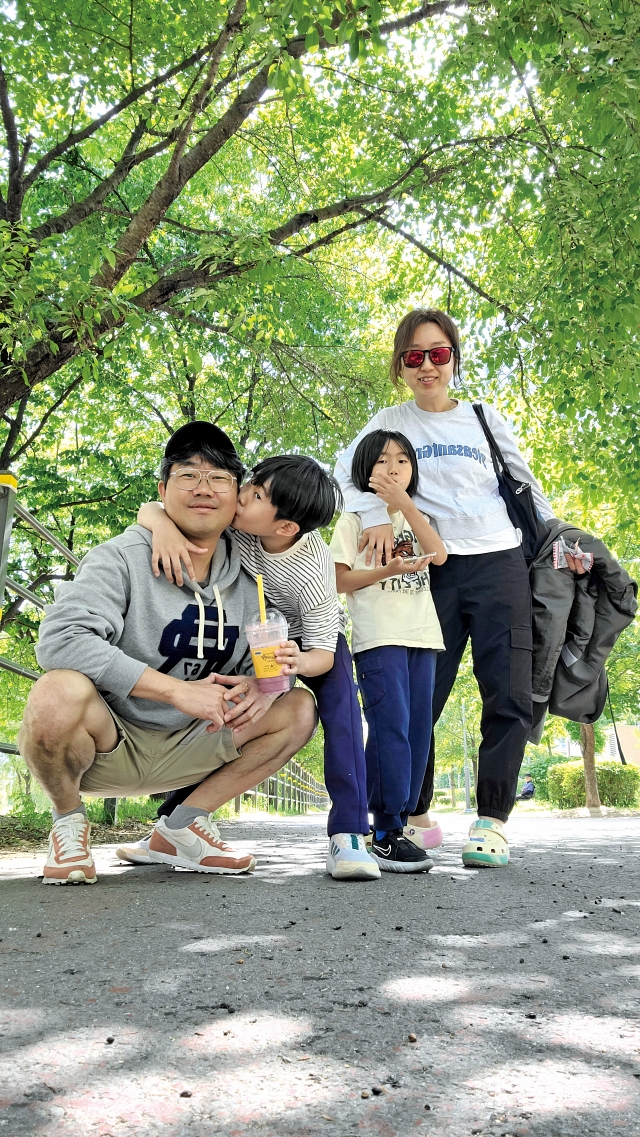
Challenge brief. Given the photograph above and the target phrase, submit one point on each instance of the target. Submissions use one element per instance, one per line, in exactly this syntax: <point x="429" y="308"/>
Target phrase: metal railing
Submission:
<point x="9" y="507"/>
<point x="292" y="789"/>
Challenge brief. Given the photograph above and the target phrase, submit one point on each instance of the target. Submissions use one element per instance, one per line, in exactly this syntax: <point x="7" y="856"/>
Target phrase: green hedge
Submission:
<point x="617" y="784"/>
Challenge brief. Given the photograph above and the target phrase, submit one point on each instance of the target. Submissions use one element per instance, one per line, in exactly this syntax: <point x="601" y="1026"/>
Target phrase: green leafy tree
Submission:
<point x="222" y="210"/>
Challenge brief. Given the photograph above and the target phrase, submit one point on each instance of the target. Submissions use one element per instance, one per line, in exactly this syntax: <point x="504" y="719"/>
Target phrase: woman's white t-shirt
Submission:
<point x="458" y="487"/>
<point x="398" y="610"/>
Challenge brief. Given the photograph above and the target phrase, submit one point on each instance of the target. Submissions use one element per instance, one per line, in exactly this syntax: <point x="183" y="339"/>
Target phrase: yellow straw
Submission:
<point x="263" y="610"/>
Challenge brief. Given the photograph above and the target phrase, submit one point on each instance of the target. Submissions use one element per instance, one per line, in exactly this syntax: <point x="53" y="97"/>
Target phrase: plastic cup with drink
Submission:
<point x="265" y="633"/>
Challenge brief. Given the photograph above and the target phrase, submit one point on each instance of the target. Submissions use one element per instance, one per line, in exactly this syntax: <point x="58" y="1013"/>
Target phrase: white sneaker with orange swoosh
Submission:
<point x="69" y="860"/>
<point x="198" y="847"/>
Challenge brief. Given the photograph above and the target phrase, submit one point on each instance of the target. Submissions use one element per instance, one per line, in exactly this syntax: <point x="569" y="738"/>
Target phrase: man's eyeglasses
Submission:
<point x="190" y="480"/>
<point x="439" y="356"/>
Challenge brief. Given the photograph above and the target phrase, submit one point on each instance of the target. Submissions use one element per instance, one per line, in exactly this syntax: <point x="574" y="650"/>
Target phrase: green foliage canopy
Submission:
<point x="221" y="210"/>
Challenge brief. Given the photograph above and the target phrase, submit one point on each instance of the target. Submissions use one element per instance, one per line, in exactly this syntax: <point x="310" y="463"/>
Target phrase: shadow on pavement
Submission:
<point x="173" y="1004"/>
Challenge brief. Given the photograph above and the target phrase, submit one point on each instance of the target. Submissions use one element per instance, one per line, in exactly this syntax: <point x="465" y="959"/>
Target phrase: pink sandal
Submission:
<point x="424" y="838"/>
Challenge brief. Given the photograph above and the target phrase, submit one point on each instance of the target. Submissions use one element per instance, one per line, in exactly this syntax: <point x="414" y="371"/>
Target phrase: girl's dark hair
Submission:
<point x="299" y="489"/>
<point x="369" y="450"/>
<point x="406" y="331"/>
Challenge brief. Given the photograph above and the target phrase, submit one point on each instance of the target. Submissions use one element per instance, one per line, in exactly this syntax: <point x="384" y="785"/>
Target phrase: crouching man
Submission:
<point x="149" y="685"/>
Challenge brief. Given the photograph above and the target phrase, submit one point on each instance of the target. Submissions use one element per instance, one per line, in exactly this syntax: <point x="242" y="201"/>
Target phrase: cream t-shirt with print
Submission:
<point x="398" y="610"/>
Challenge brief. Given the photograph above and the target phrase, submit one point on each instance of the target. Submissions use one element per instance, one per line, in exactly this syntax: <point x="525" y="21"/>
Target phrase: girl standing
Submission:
<point x="396" y="636"/>
<point x="482" y="592"/>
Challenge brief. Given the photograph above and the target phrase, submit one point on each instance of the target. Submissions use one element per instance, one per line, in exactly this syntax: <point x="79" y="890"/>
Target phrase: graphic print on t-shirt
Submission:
<point x="179" y="642"/>
<point x="409" y="581"/>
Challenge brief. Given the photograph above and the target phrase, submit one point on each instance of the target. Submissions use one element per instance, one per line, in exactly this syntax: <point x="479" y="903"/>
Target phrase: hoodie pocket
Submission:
<point x="520" y="663"/>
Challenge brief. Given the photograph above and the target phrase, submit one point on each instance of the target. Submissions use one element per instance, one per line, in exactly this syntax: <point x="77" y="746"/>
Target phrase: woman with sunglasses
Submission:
<point x="482" y="590"/>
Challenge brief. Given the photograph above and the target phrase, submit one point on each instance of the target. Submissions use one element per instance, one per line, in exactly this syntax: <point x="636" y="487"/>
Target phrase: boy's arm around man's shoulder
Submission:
<point x="81" y="629"/>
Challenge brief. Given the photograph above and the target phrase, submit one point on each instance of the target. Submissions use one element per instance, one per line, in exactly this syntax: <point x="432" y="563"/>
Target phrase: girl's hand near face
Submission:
<point x="384" y="486"/>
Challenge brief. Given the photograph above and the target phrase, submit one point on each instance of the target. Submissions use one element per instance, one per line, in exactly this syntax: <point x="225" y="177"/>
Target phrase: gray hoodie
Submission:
<point x="116" y="618"/>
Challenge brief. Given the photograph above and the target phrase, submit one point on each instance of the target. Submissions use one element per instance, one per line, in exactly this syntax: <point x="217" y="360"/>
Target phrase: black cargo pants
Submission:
<point x="486" y="597"/>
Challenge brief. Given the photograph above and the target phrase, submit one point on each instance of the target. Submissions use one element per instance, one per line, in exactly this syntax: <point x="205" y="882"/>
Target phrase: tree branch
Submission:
<point x="167" y="425"/>
<point x="92" y="500"/>
<point x="181" y="170"/>
<point x="424" y="12"/>
<point x="15" y="426"/>
<point x="197" y="320"/>
<point x="77" y="136"/>
<point x="504" y="308"/>
<point x="534" y="112"/>
<point x="59" y="401"/>
<point x="331" y="237"/>
<point x="14" y="189"/>
<point x="80" y="210"/>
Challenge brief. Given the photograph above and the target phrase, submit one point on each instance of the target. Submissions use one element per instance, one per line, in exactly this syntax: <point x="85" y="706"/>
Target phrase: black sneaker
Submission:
<point x="395" y="853"/>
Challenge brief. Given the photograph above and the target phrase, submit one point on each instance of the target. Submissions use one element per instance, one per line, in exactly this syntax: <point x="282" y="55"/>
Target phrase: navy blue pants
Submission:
<point x="396" y="684"/>
<point x="345" y="772"/>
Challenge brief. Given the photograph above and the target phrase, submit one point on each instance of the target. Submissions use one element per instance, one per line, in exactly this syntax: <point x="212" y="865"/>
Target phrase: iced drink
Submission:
<point x="263" y="639"/>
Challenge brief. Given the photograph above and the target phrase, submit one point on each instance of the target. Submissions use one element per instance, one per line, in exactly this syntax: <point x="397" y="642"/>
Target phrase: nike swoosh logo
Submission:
<point x="382" y="852"/>
<point x="190" y="845"/>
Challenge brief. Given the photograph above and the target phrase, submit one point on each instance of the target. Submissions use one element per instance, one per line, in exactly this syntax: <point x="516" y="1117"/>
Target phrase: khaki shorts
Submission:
<point x="154" y="761"/>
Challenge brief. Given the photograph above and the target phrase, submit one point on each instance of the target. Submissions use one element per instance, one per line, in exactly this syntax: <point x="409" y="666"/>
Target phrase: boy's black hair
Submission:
<point x="299" y="489"/>
<point x="221" y="459"/>
<point x="369" y="450"/>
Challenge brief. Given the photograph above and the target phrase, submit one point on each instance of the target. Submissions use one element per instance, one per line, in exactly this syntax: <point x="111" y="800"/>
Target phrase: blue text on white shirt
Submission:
<point x="442" y="449"/>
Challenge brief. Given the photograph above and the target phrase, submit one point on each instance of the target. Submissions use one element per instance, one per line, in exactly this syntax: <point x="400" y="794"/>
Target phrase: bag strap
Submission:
<point x="499" y="463"/>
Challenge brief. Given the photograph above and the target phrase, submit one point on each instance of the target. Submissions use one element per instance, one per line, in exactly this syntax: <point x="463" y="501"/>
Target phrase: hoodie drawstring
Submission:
<point x="216" y="593"/>
<point x="201" y="621"/>
<point x="200" y="625"/>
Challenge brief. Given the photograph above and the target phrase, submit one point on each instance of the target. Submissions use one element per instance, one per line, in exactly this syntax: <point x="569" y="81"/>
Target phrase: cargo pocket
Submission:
<point x="372" y="683"/>
<point x="520" y="663"/>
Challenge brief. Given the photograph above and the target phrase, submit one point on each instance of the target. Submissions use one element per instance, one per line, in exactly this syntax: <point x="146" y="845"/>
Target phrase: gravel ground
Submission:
<point x="284" y="1004"/>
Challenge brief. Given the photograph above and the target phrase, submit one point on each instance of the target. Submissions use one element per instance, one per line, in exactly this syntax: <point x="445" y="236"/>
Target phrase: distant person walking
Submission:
<point x="482" y="591"/>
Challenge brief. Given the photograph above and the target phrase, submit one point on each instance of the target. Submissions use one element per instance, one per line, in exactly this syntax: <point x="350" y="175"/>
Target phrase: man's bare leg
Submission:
<point x="187" y="838"/>
<point x="266" y="746"/>
<point x="65" y="722"/>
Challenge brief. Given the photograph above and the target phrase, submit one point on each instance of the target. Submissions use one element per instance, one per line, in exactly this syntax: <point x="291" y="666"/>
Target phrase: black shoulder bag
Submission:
<point x="517" y="497"/>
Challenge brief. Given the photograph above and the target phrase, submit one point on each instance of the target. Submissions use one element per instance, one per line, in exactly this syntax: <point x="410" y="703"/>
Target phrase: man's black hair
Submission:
<point x="299" y="489"/>
<point x="369" y="450"/>
<point x="221" y="459"/>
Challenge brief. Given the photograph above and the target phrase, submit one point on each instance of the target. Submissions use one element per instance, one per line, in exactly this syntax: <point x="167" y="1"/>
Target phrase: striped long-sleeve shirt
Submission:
<point x="300" y="583"/>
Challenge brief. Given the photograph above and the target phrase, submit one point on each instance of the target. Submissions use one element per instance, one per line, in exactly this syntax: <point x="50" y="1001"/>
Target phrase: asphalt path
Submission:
<point x="286" y="1004"/>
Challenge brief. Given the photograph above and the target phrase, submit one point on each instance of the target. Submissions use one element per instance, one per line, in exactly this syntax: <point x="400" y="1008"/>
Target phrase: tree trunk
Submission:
<point x="452" y="787"/>
<point x="588" y="746"/>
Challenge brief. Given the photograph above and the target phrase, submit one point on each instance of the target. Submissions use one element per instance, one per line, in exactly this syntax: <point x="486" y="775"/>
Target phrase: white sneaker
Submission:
<point x="69" y="860"/>
<point x="348" y="859"/>
<point x="199" y="847"/>
<point x="137" y="854"/>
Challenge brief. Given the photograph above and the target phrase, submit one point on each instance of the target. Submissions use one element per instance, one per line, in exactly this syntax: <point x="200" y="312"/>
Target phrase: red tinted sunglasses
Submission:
<point x="439" y="356"/>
